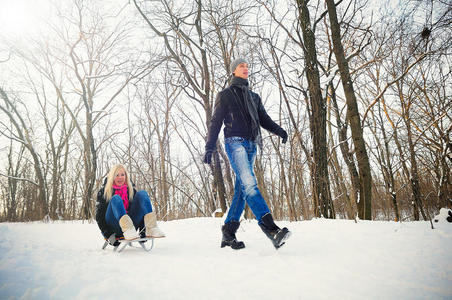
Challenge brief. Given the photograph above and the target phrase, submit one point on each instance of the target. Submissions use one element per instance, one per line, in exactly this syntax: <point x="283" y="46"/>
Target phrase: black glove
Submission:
<point x="207" y="157"/>
<point x="113" y="241"/>
<point x="283" y="134"/>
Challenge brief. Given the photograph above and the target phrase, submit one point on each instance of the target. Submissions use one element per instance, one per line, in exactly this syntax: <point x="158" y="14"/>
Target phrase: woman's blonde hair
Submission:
<point x="108" y="192"/>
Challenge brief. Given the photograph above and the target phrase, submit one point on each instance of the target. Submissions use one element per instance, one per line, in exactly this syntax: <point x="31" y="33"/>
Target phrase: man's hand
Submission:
<point x="283" y="134"/>
<point x="207" y="157"/>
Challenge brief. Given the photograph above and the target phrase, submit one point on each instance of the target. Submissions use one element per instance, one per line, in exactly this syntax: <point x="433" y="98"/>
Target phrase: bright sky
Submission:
<point x="20" y="18"/>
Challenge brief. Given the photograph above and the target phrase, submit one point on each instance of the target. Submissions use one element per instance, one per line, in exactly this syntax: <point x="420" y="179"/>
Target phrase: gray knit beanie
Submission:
<point x="237" y="62"/>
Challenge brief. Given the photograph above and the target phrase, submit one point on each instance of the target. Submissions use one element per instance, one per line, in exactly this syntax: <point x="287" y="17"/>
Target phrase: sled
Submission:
<point x="124" y="243"/>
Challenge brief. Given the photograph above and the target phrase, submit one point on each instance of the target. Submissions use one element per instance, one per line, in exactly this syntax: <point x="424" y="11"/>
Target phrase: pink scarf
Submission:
<point x="122" y="192"/>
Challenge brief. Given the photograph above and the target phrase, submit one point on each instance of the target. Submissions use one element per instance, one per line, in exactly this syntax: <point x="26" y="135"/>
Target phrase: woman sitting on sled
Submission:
<point x="121" y="210"/>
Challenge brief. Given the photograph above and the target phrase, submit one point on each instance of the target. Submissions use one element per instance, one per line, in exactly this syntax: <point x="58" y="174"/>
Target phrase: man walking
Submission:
<point x="243" y="114"/>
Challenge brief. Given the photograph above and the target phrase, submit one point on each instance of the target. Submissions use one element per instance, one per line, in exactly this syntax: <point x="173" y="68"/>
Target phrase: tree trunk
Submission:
<point x="365" y="177"/>
<point x="414" y="178"/>
<point x="219" y="182"/>
<point x="345" y="150"/>
<point x="388" y="172"/>
<point x="321" y="191"/>
<point x="19" y="124"/>
<point x="90" y="160"/>
<point x="202" y="88"/>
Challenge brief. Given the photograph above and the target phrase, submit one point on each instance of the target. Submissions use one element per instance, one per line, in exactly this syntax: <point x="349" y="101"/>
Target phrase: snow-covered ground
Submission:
<point x="323" y="259"/>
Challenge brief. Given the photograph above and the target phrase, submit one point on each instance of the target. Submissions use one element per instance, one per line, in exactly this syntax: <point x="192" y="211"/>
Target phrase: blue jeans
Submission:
<point x="138" y="207"/>
<point x="242" y="154"/>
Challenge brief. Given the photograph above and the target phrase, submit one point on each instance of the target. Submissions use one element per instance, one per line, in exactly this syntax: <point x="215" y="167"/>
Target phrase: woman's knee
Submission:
<point x="142" y="195"/>
<point x="143" y="200"/>
<point x="115" y="200"/>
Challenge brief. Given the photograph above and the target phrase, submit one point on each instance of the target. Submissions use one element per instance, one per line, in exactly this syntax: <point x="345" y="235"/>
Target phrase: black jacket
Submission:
<point x="101" y="209"/>
<point x="230" y="110"/>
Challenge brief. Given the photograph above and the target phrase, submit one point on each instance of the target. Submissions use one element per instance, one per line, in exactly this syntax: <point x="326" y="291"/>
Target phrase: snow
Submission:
<point x="323" y="259"/>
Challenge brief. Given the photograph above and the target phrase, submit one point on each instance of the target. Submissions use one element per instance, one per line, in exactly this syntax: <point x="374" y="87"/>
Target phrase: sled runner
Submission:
<point x="123" y="244"/>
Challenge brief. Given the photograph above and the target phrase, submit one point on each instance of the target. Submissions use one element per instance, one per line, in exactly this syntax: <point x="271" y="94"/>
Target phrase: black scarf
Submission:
<point x="250" y="107"/>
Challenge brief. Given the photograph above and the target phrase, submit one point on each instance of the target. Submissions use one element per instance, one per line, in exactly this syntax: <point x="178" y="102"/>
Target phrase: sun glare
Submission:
<point x="17" y="18"/>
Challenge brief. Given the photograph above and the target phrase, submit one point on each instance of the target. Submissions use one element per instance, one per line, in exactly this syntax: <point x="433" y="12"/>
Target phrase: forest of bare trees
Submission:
<point x="364" y="91"/>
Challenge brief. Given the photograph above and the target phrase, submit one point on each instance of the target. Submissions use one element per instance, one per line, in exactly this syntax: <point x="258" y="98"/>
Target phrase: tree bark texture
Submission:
<point x="365" y="177"/>
<point x="321" y="191"/>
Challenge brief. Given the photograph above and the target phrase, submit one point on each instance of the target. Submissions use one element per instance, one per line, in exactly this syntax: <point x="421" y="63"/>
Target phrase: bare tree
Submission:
<point x="322" y="194"/>
<point x="353" y="117"/>
<point x="402" y="52"/>
<point x="157" y="103"/>
<point x="14" y="175"/>
<point x="96" y="62"/>
<point x="194" y="35"/>
<point x="22" y="132"/>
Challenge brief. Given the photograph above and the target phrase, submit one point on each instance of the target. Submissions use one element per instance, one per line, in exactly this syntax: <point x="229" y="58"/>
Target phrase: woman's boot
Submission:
<point x="152" y="230"/>
<point x="277" y="235"/>
<point x="229" y="229"/>
<point x="128" y="230"/>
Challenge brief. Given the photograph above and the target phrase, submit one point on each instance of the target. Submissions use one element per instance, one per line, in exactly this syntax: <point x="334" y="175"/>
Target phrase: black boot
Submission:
<point x="229" y="229"/>
<point x="277" y="235"/>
